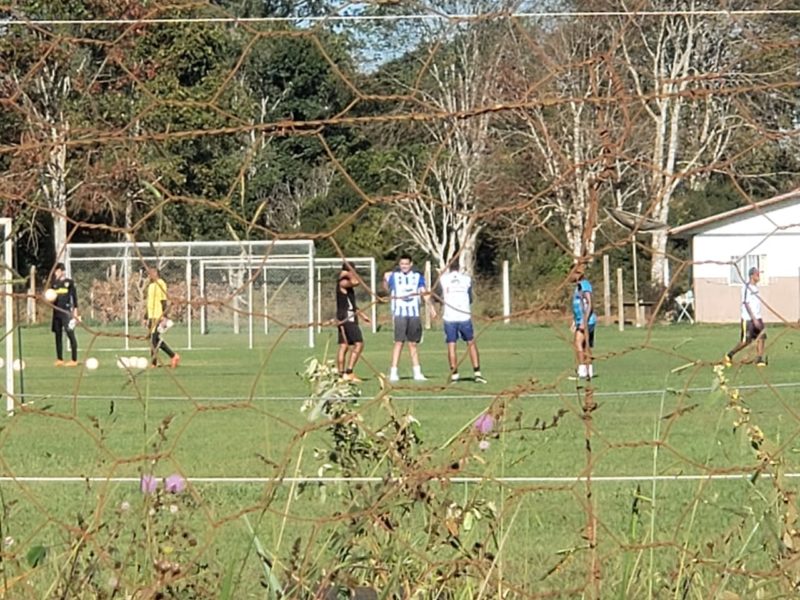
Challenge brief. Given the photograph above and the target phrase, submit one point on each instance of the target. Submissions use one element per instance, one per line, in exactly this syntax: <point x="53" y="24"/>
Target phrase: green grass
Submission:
<point x="232" y="412"/>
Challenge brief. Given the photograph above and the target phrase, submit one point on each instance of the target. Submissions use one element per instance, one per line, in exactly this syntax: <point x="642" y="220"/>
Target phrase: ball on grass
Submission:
<point x="122" y="362"/>
<point x="18" y="365"/>
<point x="141" y="362"/>
<point x="50" y="295"/>
<point x="92" y="363"/>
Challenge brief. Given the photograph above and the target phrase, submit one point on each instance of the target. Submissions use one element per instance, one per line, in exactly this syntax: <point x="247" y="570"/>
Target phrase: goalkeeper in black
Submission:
<point x="65" y="315"/>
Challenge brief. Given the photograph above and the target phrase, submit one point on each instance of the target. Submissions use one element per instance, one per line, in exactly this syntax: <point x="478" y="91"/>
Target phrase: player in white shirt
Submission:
<point x="407" y="288"/>
<point x="456" y="295"/>
<point x="753" y="329"/>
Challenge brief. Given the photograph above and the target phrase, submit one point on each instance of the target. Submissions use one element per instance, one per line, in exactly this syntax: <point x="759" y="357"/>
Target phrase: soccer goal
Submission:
<point x="271" y="291"/>
<point x="211" y="285"/>
<point x="7" y="262"/>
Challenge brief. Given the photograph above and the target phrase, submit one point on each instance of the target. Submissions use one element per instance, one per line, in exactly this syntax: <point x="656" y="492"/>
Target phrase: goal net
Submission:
<point x="213" y="287"/>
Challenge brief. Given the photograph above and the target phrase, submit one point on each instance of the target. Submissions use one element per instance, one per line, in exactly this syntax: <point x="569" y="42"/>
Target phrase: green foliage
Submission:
<point x="397" y="529"/>
<point x="536" y="264"/>
<point x="372" y="232"/>
<point x="36" y="555"/>
<point x="717" y="196"/>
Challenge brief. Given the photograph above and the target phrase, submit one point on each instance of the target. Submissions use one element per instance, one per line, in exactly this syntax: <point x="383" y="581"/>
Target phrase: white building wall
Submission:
<point x="774" y="234"/>
<point x="712" y="253"/>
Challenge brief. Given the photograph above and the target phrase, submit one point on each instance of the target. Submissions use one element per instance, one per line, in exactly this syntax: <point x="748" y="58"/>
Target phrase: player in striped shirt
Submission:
<point x="406" y="287"/>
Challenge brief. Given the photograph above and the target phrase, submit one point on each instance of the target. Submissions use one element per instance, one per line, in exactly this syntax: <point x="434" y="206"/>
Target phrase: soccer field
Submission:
<point x="648" y="485"/>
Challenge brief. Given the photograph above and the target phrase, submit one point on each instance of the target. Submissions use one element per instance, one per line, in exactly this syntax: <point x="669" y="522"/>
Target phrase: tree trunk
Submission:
<point x="467" y="255"/>
<point x="56" y="192"/>
<point x="658" y="266"/>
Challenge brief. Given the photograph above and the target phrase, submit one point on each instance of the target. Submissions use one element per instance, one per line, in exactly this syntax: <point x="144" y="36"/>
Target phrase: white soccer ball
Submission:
<point x="18" y="365"/>
<point x="142" y="362"/>
<point x="122" y="362"/>
<point x="50" y="295"/>
<point x="92" y="363"/>
<point x="165" y="324"/>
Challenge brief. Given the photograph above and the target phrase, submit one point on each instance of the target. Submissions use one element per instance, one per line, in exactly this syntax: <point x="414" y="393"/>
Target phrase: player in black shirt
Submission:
<point x="347" y="314"/>
<point x="65" y="315"/>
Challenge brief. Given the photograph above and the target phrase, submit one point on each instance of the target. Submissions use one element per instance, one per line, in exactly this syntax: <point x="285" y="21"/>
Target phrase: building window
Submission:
<point x="741" y="265"/>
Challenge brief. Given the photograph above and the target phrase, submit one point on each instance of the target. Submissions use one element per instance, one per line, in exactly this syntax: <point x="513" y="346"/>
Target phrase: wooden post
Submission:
<point x="637" y="320"/>
<point x="31" y="305"/>
<point x="427" y="302"/>
<point x="620" y="301"/>
<point x="607" y="318"/>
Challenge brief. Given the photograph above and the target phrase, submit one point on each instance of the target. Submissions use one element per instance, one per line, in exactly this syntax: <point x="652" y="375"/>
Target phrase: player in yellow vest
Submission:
<point x="156" y="319"/>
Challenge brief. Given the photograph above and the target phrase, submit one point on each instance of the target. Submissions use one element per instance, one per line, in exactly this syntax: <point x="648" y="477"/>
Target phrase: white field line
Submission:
<point x="147" y="349"/>
<point x="597" y="394"/>
<point x="322" y="480"/>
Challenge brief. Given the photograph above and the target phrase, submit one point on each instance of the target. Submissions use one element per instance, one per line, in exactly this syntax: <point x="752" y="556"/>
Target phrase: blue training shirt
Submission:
<point x="579" y="303"/>
<point x="405" y="289"/>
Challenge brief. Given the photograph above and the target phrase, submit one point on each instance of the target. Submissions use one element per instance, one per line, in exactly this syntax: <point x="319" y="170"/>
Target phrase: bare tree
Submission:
<point x="439" y="207"/>
<point x="568" y="129"/>
<point x="44" y="98"/>
<point x="678" y="66"/>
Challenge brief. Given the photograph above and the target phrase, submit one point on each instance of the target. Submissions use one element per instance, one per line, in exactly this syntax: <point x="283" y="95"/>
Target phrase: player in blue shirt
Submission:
<point x="583" y="324"/>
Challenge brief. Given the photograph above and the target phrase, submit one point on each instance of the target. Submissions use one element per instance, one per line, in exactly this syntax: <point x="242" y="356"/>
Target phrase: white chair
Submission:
<point x="685" y="303"/>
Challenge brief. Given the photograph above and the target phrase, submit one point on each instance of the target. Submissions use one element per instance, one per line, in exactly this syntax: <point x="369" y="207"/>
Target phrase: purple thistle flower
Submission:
<point x="484" y="423"/>
<point x="148" y="484"/>
<point x="175" y="484"/>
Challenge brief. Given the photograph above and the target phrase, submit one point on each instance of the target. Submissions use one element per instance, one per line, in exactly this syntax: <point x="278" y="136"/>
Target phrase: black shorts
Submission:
<point x="60" y="323"/>
<point x="751" y="331"/>
<point x="350" y="333"/>
<point x="408" y="329"/>
<point x="589" y="340"/>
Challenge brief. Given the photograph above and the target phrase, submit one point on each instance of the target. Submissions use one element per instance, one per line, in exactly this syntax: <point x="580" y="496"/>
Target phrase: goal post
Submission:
<point x="8" y="309"/>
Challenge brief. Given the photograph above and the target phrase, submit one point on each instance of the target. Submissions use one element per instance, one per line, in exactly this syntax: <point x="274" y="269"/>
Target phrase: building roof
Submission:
<point x="689" y="229"/>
